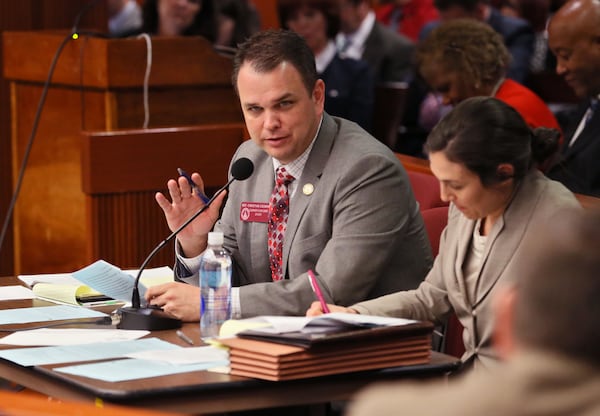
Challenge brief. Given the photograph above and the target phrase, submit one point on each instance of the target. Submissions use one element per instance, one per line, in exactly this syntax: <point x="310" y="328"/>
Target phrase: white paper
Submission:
<point x="15" y="292"/>
<point x="190" y="355"/>
<point x="70" y="336"/>
<point x="284" y="324"/>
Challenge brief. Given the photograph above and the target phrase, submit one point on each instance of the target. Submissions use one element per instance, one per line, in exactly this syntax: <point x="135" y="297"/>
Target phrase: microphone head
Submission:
<point x="242" y="168"/>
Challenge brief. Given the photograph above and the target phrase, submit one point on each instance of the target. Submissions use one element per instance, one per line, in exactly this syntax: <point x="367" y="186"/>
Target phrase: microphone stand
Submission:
<point x="153" y="318"/>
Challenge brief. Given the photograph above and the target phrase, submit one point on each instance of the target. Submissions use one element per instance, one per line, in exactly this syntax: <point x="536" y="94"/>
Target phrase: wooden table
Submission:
<point x="203" y="391"/>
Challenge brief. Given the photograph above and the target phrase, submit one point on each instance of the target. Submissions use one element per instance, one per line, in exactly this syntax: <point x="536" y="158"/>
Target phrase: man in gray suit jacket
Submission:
<point x="389" y="54"/>
<point x="352" y="215"/>
<point x="548" y="330"/>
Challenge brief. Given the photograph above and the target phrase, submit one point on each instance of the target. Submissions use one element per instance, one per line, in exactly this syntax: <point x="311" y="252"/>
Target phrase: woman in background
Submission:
<point x="180" y="18"/>
<point x="349" y="83"/>
<point x="466" y="58"/>
<point x="238" y="19"/>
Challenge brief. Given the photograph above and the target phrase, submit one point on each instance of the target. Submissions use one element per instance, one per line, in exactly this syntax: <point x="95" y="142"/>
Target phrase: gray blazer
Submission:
<point x="389" y="54"/>
<point x="534" y="382"/>
<point x="536" y="200"/>
<point x="360" y="229"/>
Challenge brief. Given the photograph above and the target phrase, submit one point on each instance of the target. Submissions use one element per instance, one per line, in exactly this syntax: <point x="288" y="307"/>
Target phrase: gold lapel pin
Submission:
<point x="308" y="189"/>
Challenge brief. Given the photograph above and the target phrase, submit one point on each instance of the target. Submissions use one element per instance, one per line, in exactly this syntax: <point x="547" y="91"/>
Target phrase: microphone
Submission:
<point x="153" y="318"/>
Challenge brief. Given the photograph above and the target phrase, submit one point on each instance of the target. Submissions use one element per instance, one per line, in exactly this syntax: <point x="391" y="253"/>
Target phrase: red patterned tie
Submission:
<point x="279" y="206"/>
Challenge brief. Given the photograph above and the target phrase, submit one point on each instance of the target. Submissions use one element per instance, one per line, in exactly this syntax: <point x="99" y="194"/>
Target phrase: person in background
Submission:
<point x="547" y="330"/>
<point x="574" y="37"/>
<point x="407" y="17"/>
<point x="238" y="19"/>
<point x="180" y="18"/>
<point x="464" y="58"/>
<point x="517" y="34"/>
<point x="484" y="156"/>
<point x="124" y="16"/>
<point x="349" y="84"/>
<point x="324" y="195"/>
<point x="389" y="54"/>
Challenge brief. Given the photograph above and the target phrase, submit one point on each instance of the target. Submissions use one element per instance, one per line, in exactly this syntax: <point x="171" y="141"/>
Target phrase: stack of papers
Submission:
<point x="297" y="347"/>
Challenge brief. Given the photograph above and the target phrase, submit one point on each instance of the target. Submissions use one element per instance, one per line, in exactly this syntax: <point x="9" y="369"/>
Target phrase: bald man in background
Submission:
<point x="574" y="37"/>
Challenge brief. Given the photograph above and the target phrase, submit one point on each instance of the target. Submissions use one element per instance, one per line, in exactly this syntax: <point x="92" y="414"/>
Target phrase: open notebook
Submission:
<point x="97" y="284"/>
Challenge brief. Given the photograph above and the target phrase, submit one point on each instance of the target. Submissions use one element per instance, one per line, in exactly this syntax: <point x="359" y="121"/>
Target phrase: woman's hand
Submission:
<point x="316" y="310"/>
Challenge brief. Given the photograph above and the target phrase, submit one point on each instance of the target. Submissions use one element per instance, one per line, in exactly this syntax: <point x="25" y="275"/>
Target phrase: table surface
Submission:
<point x="204" y="391"/>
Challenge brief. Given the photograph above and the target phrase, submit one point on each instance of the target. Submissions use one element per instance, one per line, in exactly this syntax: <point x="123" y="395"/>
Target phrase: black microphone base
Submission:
<point x="150" y="319"/>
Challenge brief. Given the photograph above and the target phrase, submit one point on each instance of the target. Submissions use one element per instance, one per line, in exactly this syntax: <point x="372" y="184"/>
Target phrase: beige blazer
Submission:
<point x="531" y="383"/>
<point x="537" y="200"/>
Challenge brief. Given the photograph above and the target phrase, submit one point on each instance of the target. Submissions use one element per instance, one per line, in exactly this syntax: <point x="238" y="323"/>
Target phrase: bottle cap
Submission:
<point x="215" y="238"/>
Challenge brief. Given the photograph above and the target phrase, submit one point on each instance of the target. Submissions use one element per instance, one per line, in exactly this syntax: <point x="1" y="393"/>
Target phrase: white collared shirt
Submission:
<point x="582" y="123"/>
<point x="324" y="58"/>
<point x="357" y="39"/>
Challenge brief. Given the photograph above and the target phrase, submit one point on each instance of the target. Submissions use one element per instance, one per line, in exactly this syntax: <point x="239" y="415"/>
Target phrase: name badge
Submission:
<point x="254" y="212"/>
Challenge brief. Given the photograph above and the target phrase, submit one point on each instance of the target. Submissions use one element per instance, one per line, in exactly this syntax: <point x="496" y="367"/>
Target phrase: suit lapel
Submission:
<point x="589" y="134"/>
<point x="464" y="243"/>
<point x="311" y="175"/>
<point x="515" y="218"/>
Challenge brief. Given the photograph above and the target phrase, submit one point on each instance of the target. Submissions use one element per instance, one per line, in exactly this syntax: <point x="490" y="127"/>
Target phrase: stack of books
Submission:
<point x="330" y="344"/>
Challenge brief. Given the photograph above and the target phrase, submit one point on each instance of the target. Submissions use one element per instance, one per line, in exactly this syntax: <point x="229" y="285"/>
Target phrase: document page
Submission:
<point x="285" y="324"/>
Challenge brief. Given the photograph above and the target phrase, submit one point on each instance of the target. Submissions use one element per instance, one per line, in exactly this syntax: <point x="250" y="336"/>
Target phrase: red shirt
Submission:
<point x="414" y="16"/>
<point x="531" y="107"/>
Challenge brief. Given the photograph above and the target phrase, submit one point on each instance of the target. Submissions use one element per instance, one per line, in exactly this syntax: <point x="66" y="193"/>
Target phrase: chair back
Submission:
<point x="388" y="110"/>
<point x="426" y="189"/>
<point x="435" y="220"/>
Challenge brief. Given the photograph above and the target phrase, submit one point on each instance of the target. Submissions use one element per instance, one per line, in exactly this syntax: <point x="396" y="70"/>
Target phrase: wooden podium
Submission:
<point x="89" y="183"/>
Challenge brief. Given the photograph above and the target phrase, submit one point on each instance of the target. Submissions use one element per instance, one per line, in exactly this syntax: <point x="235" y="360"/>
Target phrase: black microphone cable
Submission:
<point x="74" y="34"/>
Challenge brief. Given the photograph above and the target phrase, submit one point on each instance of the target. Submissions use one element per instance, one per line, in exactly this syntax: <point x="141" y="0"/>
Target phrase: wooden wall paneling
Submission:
<point x="122" y="170"/>
<point x="54" y="217"/>
<point x="50" y="212"/>
<point x="268" y="13"/>
<point x="31" y="15"/>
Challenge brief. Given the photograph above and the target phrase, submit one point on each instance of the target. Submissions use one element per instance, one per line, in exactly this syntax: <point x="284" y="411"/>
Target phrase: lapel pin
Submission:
<point x="308" y="189"/>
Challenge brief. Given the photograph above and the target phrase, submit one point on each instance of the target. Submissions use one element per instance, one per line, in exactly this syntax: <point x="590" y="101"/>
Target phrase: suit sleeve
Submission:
<point x="429" y="302"/>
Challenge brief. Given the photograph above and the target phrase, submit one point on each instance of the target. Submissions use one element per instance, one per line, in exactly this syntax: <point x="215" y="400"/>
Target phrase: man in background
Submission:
<point x="574" y="37"/>
<point x="548" y="330"/>
<point x="361" y="36"/>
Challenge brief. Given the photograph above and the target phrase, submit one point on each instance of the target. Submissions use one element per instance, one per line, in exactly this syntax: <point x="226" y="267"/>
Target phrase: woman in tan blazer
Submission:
<point x="484" y="156"/>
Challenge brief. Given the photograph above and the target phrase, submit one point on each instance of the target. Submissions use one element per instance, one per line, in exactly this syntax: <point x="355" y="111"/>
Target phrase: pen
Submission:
<point x="315" y="287"/>
<point x="195" y="187"/>
<point x="184" y="337"/>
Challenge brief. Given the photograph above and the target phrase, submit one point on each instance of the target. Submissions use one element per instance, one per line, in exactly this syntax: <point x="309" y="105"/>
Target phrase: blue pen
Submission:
<point x="195" y="187"/>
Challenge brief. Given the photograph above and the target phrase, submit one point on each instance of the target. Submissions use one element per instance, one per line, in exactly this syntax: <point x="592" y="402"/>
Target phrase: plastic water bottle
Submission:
<point x="215" y="286"/>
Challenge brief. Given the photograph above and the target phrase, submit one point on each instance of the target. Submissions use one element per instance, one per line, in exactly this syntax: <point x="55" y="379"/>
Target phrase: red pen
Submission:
<point x="315" y="287"/>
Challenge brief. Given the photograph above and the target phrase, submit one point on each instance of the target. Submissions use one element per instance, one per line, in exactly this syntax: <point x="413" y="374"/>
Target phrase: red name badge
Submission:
<point x="254" y="212"/>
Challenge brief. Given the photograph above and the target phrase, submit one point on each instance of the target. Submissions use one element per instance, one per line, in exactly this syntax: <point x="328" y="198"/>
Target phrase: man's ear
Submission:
<point x="318" y="94"/>
<point x="504" y="340"/>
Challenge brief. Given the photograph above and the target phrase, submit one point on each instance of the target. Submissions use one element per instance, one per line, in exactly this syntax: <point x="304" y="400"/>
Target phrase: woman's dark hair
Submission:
<point x="484" y="132"/>
<point x="245" y="16"/>
<point x="204" y="24"/>
<point x="329" y="8"/>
